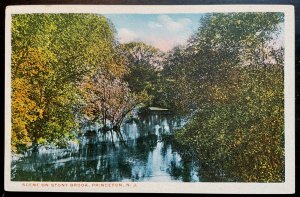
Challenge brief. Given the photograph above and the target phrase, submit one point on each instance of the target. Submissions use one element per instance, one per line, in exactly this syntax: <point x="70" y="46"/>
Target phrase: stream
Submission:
<point x="147" y="153"/>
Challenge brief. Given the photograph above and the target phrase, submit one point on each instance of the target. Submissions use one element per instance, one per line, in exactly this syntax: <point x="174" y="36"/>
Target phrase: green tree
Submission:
<point x="229" y="78"/>
<point x="144" y="63"/>
<point x="51" y="53"/>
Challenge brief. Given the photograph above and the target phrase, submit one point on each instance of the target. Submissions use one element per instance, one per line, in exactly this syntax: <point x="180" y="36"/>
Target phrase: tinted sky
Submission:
<point x="163" y="31"/>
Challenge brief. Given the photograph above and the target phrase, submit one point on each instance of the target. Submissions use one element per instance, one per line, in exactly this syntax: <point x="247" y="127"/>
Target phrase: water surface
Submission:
<point x="147" y="152"/>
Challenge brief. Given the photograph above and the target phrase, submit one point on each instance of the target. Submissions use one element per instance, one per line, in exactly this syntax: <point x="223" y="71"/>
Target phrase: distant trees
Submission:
<point x="144" y="65"/>
<point x="229" y="78"/>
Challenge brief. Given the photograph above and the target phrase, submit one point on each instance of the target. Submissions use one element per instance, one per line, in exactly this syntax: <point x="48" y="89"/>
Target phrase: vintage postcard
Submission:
<point x="159" y="99"/>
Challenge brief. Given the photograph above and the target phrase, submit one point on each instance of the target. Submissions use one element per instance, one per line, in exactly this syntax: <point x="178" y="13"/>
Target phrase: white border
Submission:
<point x="155" y="187"/>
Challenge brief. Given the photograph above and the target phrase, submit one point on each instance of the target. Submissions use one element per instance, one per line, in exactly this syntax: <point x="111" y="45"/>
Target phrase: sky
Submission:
<point x="163" y="31"/>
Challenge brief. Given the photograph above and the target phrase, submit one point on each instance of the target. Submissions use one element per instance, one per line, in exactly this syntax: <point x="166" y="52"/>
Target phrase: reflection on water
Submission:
<point x="147" y="153"/>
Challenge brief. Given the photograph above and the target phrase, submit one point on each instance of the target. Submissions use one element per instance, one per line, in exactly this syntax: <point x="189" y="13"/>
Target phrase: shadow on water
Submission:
<point x="150" y="153"/>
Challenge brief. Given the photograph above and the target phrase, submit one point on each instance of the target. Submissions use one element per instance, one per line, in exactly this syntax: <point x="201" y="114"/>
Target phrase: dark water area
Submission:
<point x="148" y="152"/>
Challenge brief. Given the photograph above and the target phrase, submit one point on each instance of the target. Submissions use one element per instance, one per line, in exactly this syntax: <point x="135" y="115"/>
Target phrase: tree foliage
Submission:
<point x="108" y="100"/>
<point x="51" y="53"/>
<point x="144" y="64"/>
<point x="229" y="78"/>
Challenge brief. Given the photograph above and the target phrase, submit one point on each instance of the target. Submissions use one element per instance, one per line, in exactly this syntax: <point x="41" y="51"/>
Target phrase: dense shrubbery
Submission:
<point x="232" y="84"/>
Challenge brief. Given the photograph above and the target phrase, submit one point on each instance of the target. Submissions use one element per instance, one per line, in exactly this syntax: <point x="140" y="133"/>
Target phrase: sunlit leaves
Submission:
<point x="51" y="53"/>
